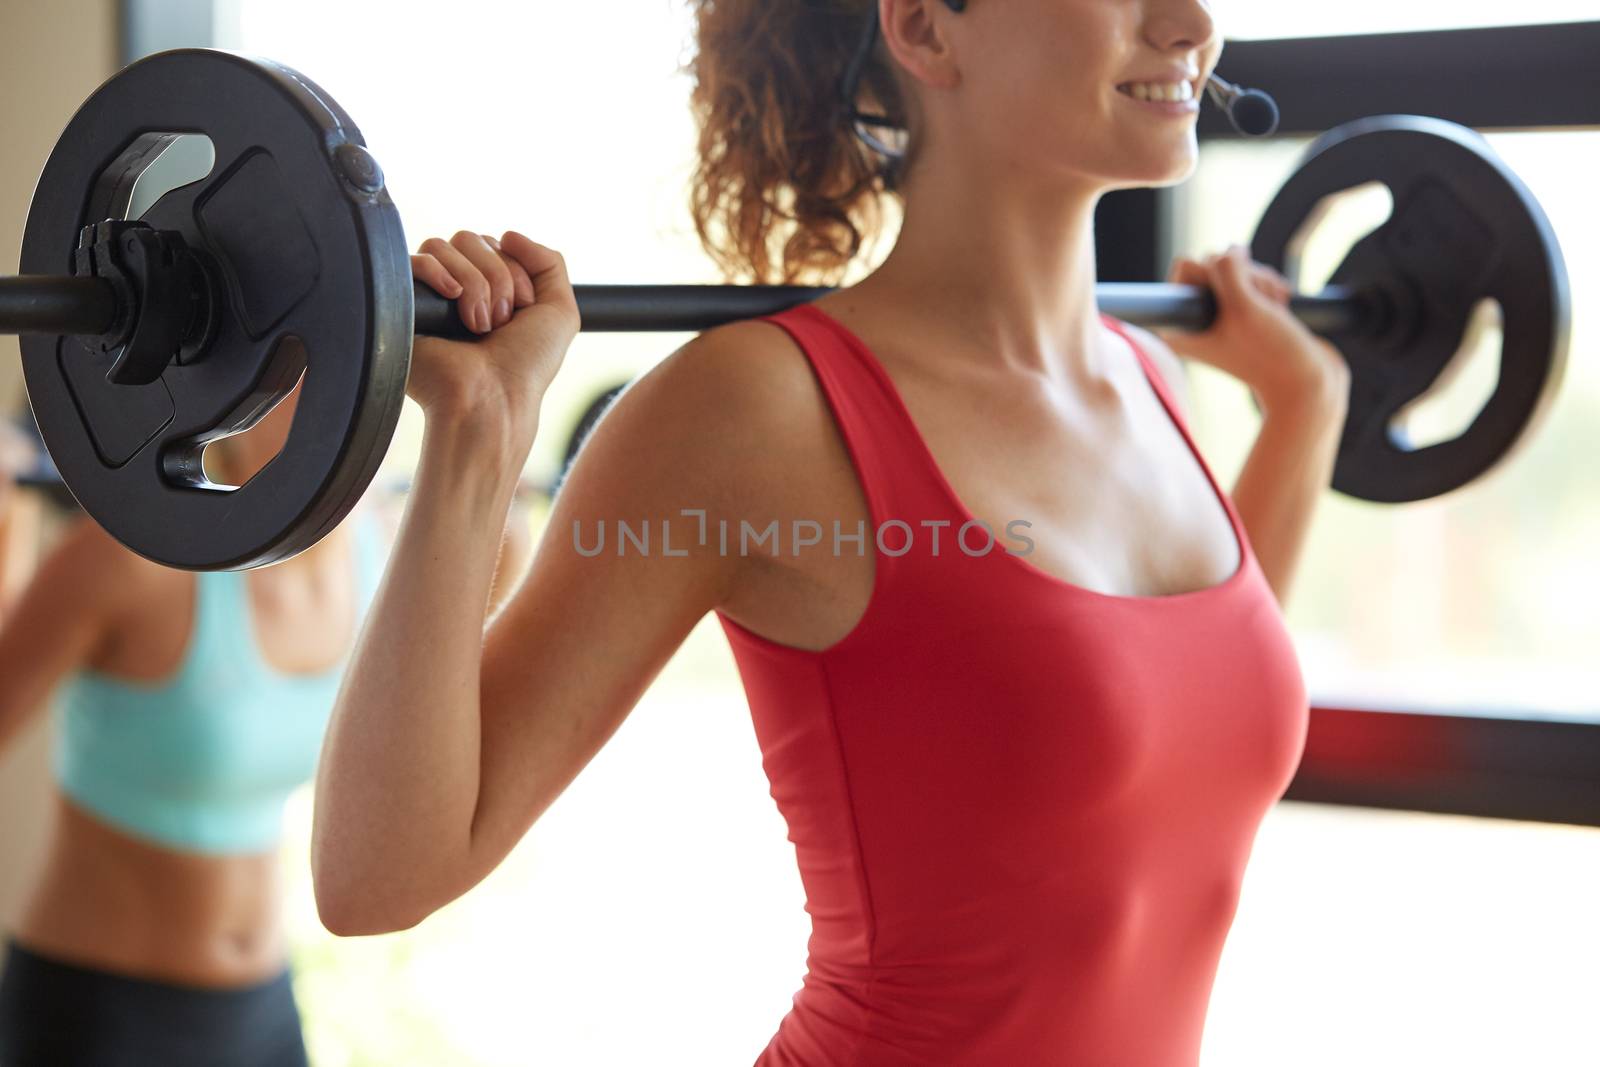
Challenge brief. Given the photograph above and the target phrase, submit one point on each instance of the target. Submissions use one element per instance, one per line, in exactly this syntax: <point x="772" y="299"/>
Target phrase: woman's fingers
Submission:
<point x="494" y="270"/>
<point x="546" y="268"/>
<point x="1243" y="279"/>
<point x="472" y="303"/>
<point x="427" y="268"/>
<point x="1256" y="276"/>
<point x="1240" y="284"/>
<point x="521" y="283"/>
<point x="1271" y="283"/>
<point x="490" y="278"/>
<point x="1231" y="277"/>
<point x="1269" y="289"/>
<point x="1186" y="272"/>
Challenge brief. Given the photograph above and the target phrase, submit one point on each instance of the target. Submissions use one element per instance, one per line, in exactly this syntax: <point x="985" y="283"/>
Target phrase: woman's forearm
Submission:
<point x="398" y="780"/>
<point x="516" y="550"/>
<point x="1283" y="478"/>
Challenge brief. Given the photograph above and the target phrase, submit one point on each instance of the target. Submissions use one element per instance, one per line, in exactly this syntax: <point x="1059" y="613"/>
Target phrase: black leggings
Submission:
<point x="54" y="1013"/>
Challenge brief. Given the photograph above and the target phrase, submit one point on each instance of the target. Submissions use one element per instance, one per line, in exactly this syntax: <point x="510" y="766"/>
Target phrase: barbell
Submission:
<point x="143" y="340"/>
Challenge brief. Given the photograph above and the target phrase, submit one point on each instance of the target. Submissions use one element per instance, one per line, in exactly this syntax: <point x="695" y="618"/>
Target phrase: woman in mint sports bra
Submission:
<point x="186" y="709"/>
<point x="188" y="706"/>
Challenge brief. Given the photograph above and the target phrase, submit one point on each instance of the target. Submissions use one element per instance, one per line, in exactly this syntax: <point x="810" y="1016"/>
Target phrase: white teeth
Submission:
<point x="1174" y="92"/>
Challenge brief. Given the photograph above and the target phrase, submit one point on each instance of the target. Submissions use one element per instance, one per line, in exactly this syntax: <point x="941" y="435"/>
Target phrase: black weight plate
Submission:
<point x="1464" y="228"/>
<point x="306" y="245"/>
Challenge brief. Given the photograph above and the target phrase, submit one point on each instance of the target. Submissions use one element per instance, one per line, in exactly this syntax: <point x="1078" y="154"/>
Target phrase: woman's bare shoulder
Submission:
<point x="725" y="410"/>
<point x="745" y="374"/>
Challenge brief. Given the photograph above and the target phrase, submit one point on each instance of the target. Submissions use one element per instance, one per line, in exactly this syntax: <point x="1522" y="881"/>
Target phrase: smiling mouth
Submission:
<point x="1159" y="92"/>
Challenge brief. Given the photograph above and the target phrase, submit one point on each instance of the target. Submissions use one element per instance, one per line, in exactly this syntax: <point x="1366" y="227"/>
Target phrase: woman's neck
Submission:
<point x="1003" y="271"/>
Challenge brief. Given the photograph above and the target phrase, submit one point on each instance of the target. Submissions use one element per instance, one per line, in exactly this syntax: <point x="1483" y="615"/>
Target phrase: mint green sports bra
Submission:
<point x="203" y="762"/>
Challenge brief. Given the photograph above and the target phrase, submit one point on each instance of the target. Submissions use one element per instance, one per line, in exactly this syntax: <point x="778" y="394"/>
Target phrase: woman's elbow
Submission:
<point x="347" y="914"/>
<point x="353" y="904"/>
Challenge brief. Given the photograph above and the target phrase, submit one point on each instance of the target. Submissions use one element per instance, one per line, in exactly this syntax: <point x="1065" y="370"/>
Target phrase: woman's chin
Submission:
<point x="1160" y="174"/>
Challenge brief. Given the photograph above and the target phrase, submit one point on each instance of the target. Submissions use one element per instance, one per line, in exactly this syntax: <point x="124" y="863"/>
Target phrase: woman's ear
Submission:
<point x="916" y="33"/>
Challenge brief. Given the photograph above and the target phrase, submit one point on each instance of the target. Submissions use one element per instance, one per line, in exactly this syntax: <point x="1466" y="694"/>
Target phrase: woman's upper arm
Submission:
<point x="58" y="620"/>
<point x="593" y="622"/>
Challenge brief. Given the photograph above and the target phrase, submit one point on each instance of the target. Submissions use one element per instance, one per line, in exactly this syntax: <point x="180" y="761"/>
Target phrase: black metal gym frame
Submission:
<point x="1509" y="764"/>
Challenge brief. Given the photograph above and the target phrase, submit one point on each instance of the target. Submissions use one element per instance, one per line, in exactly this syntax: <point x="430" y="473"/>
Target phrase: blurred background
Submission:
<point x="655" y="913"/>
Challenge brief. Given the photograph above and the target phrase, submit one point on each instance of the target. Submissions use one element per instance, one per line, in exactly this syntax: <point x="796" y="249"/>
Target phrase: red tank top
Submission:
<point x="1022" y="809"/>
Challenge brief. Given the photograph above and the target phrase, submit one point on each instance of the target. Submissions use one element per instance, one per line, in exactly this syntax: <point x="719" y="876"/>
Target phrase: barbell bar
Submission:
<point x="88" y="306"/>
<point x="143" y="339"/>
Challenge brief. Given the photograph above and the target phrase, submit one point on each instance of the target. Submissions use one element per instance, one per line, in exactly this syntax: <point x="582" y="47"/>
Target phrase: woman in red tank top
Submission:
<point x="1016" y="661"/>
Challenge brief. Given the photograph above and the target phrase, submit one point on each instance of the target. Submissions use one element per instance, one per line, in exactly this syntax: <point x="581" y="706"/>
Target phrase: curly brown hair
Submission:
<point x="776" y="159"/>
